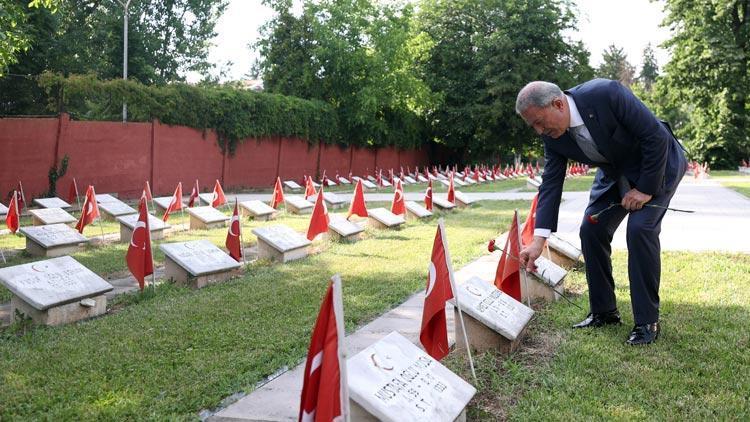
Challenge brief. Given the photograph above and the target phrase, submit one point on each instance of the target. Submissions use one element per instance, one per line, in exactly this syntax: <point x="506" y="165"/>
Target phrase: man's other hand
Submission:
<point x="634" y="200"/>
<point x="530" y="253"/>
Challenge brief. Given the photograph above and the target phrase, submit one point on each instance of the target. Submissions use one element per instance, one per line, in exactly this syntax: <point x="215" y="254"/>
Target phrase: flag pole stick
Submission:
<point x="521" y="267"/>
<point x="441" y="226"/>
<point x="148" y="232"/>
<point x="3" y="255"/>
<point x="338" y="310"/>
<point x="242" y="243"/>
<point x="78" y="197"/>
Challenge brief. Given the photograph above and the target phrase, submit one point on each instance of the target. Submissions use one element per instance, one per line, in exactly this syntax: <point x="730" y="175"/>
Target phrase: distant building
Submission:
<point x="251" y="84"/>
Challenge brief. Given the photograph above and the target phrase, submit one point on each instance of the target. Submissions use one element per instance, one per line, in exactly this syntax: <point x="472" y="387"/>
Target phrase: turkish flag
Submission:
<point x="278" y="194"/>
<point x="13" y="220"/>
<point x="194" y="194"/>
<point x="508" y="275"/>
<point x="89" y="210"/>
<point x="319" y="219"/>
<point x="147" y="191"/>
<point x="234" y="235"/>
<point x="21" y="199"/>
<point x="176" y="202"/>
<point x="140" y="261"/>
<point x="309" y="187"/>
<point x="434" y="332"/>
<point x="324" y="391"/>
<point x="358" y="207"/>
<point x="398" y="206"/>
<point x="379" y="178"/>
<point x="428" y="196"/>
<point x="451" y="191"/>
<point x="73" y="192"/>
<point x="218" y="199"/>
<point x="527" y="235"/>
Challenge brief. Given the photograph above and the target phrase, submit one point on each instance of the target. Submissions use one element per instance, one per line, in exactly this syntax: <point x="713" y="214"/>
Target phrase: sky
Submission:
<point x="629" y="24"/>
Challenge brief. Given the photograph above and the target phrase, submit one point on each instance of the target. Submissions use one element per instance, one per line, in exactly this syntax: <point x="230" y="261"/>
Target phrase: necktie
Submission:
<point x="584" y="140"/>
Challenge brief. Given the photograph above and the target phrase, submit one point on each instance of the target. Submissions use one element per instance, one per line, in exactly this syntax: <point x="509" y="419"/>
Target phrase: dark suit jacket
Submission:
<point x="628" y="135"/>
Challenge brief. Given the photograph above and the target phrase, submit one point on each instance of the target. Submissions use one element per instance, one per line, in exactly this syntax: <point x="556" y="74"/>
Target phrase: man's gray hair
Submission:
<point x="538" y="94"/>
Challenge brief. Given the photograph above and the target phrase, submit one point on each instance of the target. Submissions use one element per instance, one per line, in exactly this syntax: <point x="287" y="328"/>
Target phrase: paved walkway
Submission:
<point x="721" y="222"/>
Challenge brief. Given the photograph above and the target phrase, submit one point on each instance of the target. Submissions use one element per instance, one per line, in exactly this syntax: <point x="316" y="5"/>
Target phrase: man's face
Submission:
<point x="551" y="121"/>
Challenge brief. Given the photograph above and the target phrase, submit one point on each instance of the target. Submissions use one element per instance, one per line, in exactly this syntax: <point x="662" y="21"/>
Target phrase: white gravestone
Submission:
<point x="415" y="210"/>
<point x="3" y="209"/>
<point x="546" y="283"/>
<point x="470" y="181"/>
<point x="298" y="205"/>
<point x="385" y="183"/>
<point x="127" y="223"/>
<point x="55" y="291"/>
<point x="331" y="182"/>
<point x="462" y="200"/>
<point x="52" y="240"/>
<point x="382" y="218"/>
<point x="422" y="179"/>
<point x="258" y="210"/>
<point x="163" y="202"/>
<point x="501" y="177"/>
<point x="410" y="180"/>
<point x="333" y="201"/>
<point x="46" y="216"/>
<point x="197" y="263"/>
<point x="280" y="243"/>
<point x="368" y="185"/>
<point x="393" y="380"/>
<point x="344" y="181"/>
<point x="532" y="183"/>
<point x="51" y="203"/>
<point x="445" y="183"/>
<point x="481" y="179"/>
<point x="203" y="218"/>
<point x="105" y="197"/>
<point x="206" y="198"/>
<point x="291" y="184"/>
<point x="460" y="182"/>
<point x="563" y="253"/>
<point x="493" y="319"/>
<point x="442" y="203"/>
<point x="372" y="179"/>
<point x="112" y="210"/>
<point x="343" y="229"/>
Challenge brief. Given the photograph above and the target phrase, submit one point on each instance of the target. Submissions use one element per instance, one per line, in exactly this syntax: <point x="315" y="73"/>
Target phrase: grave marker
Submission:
<point x="113" y="209"/>
<point x="494" y="319"/>
<point x="415" y="210"/>
<point x="343" y="229"/>
<point x="546" y="283"/>
<point x="208" y="217"/>
<point x="258" y="210"/>
<point x="51" y="203"/>
<point x="105" y="197"/>
<point x="298" y="204"/>
<point x="394" y="380"/>
<point x="127" y="223"/>
<point x="462" y="200"/>
<point x="334" y="201"/>
<point x="291" y="184"/>
<point x="55" y="291"/>
<point x="563" y="253"/>
<point x="281" y="243"/>
<point x="344" y="180"/>
<point x="442" y="203"/>
<point x="45" y="216"/>
<point x="410" y="180"/>
<point x="52" y="240"/>
<point x="3" y="209"/>
<point x="163" y="202"/>
<point x="532" y="183"/>
<point x="382" y="218"/>
<point x="197" y="263"/>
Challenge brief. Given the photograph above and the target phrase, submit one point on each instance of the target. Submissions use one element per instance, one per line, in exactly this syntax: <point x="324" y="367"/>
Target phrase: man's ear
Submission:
<point x="558" y="103"/>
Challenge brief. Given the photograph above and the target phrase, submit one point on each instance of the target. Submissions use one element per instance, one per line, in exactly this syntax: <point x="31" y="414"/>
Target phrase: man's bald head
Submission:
<point x="537" y="94"/>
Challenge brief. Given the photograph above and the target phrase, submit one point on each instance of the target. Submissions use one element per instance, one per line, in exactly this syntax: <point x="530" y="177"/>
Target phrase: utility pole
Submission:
<point x="125" y="5"/>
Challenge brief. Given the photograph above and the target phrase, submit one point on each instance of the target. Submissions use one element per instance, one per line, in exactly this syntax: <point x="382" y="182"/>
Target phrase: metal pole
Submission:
<point x="125" y="6"/>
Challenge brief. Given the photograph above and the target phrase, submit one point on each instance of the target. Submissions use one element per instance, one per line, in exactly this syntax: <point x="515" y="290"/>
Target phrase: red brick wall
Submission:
<point x="119" y="157"/>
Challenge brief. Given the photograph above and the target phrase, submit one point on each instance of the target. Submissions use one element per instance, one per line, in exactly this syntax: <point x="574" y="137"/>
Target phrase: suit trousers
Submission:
<point x="644" y="254"/>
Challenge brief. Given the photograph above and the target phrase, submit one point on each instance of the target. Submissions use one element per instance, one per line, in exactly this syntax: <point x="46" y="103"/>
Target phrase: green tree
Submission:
<point x="649" y="69"/>
<point x="707" y="77"/>
<point x="14" y="31"/>
<point x="615" y="65"/>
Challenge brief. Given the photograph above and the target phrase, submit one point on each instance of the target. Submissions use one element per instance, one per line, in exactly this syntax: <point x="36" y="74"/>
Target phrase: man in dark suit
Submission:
<point x="639" y="162"/>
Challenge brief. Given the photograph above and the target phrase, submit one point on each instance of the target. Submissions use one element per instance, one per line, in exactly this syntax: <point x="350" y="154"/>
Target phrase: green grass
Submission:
<point x="170" y="354"/>
<point x="735" y="180"/>
<point x="698" y="369"/>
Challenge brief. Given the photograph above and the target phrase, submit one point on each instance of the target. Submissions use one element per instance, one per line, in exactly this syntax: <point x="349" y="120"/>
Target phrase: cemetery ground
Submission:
<point x="172" y="352"/>
<point x="733" y="180"/>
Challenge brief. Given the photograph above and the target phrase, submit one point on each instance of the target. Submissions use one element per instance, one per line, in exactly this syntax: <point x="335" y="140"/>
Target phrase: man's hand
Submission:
<point x="634" y="200"/>
<point x="530" y="253"/>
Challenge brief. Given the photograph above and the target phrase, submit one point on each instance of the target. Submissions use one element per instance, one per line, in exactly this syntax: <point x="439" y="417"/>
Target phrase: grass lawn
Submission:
<point x="733" y="180"/>
<point x="698" y="369"/>
<point x="170" y="354"/>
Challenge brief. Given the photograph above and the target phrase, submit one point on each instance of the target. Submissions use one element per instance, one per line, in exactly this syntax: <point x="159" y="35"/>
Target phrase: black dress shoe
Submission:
<point x="594" y="320"/>
<point x="643" y="334"/>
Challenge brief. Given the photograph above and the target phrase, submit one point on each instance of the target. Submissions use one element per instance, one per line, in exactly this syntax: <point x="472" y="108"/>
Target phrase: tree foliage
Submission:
<point x="14" y="30"/>
<point x="615" y="65"/>
<point x="707" y="78"/>
<point x="649" y="68"/>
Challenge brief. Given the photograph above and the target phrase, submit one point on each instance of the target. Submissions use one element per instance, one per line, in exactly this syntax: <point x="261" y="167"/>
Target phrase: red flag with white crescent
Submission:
<point x="451" y="191"/>
<point x="194" y="194"/>
<point x="428" y="196"/>
<point x="278" y="194"/>
<point x="139" y="259"/>
<point x="309" y="187"/>
<point x="13" y="218"/>
<point x="398" y="206"/>
<point x="358" y="207"/>
<point x="89" y="210"/>
<point x="218" y="199"/>
<point x="325" y="394"/>
<point x="319" y="219"/>
<point x="508" y="274"/>
<point x="527" y="235"/>
<point x="434" y="332"/>
<point x="234" y="235"/>
<point x="73" y="192"/>
<point x="176" y="203"/>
